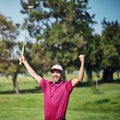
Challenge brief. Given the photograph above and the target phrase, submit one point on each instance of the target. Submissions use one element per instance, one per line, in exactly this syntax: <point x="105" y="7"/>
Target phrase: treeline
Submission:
<point x="63" y="30"/>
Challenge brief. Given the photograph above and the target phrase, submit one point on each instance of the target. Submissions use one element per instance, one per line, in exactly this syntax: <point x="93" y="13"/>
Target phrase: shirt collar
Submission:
<point x="57" y="83"/>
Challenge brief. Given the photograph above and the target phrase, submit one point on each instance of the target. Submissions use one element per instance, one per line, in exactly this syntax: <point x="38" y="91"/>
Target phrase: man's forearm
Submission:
<point x="79" y="78"/>
<point x="29" y="69"/>
<point x="81" y="72"/>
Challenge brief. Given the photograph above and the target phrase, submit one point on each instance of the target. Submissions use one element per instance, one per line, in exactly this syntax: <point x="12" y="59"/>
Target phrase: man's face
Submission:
<point x="56" y="75"/>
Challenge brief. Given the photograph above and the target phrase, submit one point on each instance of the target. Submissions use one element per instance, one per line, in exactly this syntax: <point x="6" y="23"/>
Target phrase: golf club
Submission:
<point x="23" y="47"/>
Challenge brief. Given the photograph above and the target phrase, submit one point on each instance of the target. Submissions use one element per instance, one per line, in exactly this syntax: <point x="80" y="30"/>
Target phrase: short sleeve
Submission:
<point x="43" y="84"/>
<point x="69" y="86"/>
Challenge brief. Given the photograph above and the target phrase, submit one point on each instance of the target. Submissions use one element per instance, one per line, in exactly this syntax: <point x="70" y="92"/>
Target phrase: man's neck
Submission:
<point x="57" y="82"/>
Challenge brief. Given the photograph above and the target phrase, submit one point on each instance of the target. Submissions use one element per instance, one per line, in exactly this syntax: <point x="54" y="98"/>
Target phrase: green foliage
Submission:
<point x="110" y="44"/>
<point x="59" y="27"/>
<point x="63" y="30"/>
<point x="8" y="60"/>
<point x="8" y="32"/>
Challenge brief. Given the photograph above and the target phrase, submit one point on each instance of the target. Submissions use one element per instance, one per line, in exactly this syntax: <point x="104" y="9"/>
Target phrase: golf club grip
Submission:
<point x="20" y="63"/>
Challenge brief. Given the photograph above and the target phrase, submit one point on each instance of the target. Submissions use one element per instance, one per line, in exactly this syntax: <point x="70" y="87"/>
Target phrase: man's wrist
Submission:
<point x="24" y="60"/>
<point x="82" y="62"/>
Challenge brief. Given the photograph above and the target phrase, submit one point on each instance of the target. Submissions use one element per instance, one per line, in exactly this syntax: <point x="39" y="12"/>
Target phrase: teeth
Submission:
<point x="30" y="7"/>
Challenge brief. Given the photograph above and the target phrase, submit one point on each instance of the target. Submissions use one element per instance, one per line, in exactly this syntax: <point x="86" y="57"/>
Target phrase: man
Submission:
<point x="56" y="92"/>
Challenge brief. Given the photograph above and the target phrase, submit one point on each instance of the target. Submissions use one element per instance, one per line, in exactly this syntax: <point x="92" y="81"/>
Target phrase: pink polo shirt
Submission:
<point x="56" y="98"/>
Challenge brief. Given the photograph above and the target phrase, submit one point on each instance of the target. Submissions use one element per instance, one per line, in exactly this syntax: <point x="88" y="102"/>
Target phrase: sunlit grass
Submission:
<point x="84" y="104"/>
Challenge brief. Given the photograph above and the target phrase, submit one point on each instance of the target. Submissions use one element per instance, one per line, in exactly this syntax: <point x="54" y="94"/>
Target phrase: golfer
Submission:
<point x="56" y="92"/>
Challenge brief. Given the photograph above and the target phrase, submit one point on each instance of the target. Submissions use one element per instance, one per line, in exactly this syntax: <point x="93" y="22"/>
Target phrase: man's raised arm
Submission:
<point x="79" y="78"/>
<point x="30" y="70"/>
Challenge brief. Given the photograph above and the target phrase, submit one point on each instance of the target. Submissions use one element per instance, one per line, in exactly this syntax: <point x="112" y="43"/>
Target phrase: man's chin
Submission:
<point x="55" y="81"/>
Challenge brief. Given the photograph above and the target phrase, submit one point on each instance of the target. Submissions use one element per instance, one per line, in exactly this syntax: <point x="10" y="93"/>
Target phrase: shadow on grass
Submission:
<point x="102" y="101"/>
<point x="83" y="84"/>
<point x="94" y="87"/>
<point x="88" y="84"/>
<point x="25" y="91"/>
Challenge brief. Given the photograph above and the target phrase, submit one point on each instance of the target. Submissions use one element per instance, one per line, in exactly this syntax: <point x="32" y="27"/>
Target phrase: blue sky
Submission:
<point x="110" y="9"/>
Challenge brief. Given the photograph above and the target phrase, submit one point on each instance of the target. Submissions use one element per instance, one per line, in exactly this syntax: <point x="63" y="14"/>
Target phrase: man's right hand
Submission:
<point x="22" y="58"/>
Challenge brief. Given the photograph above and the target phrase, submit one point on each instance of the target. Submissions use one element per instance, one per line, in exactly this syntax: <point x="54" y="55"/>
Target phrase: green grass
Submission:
<point x="84" y="104"/>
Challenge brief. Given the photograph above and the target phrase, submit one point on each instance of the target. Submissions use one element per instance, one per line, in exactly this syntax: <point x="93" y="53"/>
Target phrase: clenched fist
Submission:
<point x="82" y="58"/>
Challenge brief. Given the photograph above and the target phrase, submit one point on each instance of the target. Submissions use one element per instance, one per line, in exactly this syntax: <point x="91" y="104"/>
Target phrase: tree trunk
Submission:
<point x="64" y="75"/>
<point x="118" y="75"/>
<point x="89" y="75"/>
<point x="15" y="84"/>
<point x="108" y="74"/>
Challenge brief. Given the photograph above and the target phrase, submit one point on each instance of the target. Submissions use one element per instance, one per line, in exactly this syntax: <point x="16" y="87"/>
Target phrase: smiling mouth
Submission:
<point x="55" y="78"/>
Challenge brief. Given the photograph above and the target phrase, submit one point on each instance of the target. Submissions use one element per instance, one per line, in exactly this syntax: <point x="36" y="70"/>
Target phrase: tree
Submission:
<point x="8" y="61"/>
<point x="60" y="27"/>
<point x="93" y="55"/>
<point x="111" y="49"/>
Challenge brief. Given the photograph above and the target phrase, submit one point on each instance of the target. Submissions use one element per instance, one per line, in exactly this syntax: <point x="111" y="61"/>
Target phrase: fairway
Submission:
<point x="84" y="103"/>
